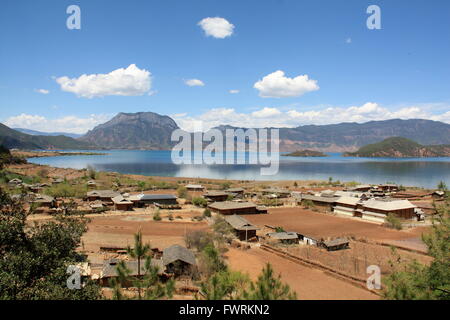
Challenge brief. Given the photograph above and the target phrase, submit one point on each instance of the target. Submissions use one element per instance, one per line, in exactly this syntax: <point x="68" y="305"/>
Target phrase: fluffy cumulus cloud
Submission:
<point x="69" y="124"/>
<point x="194" y="83"/>
<point x="43" y="91"/>
<point x="277" y="85"/>
<point x="274" y="117"/>
<point x="216" y="27"/>
<point x="130" y="81"/>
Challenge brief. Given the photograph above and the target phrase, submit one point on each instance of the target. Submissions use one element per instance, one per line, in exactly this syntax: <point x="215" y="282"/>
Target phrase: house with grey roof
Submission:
<point x="216" y="195"/>
<point x="284" y="237"/>
<point x="122" y="204"/>
<point x="140" y="200"/>
<point x="109" y="269"/>
<point x="236" y="207"/>
<point x="178" y="260"/>
<point x="102" y="195"/>
<point x="243" y="229"/>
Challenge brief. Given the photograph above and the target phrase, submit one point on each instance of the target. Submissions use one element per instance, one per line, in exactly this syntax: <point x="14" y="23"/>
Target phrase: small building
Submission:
<point x="178" y="260"/>
<point x="234" y="207"/>
<point x="284" y="237"/>
<point x="96" y="206"/>
<point x="141" y="200"/>
<point x="243" y="229"/>
<point x="58" y="181"/>
<point x="91" y="184"/>
<point x="102" y="195"/>
<point x="318" y="200"/>
<point x="388" y="187"/>
<point x="14" y="182"/>
<point x="278" y="192"/>
<point x="438" y="194"/>
<point x="327" y="193"/>
<point x="335" y="244"/>
<point x="235" y="191"/>
<point x="362" y="187"/>
<point x="122" y="204"/>
<point x="194" y="187"/>
<point x="308" y="240"/>
<point x="43" y="201"/>
<point x="109" y="270"/>
<point x="216" y="196"/>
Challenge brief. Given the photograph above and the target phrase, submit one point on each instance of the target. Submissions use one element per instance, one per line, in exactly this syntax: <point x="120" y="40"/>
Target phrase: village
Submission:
<point x="320" y="236"/>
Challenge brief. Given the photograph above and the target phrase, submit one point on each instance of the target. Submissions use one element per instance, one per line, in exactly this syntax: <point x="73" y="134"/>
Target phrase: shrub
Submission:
<point x="182" y="192"/>
<point x="199" y="202"/>
<point x="307" y="204"/>
<point x="207" y="213"/>
<point x="392" y="221"/>
<point x="157" y="216"/>
<point x="198" y="240"/>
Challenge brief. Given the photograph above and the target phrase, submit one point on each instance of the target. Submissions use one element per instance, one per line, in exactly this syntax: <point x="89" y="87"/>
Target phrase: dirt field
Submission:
<point x="119" y="231"/>
<point x="325" y="225"/>
<point x="309" y="283"/>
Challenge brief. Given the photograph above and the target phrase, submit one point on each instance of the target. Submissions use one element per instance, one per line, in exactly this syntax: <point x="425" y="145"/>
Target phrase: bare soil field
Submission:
<point x="118" y="231"/>
<point x="355" y="260"/>
<point x="320" y="225"/>
<point x="309" y="283"/>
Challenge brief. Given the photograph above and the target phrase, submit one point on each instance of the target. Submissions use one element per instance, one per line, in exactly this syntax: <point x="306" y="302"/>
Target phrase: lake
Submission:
<point x="420" y="172"/>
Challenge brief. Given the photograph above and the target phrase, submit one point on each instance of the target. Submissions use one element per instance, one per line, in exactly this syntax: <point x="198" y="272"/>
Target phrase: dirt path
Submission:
<point x="309" y="283"/>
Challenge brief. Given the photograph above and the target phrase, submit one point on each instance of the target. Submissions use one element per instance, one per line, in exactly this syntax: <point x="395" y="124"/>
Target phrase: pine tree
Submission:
<point x="147" y="278"/>
<point x="269" y="287"/>
<point x="416" y="281"/>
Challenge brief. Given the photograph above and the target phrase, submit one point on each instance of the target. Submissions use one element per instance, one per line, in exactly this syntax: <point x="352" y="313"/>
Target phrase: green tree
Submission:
<point x="442" y="186"/>
<point x="35" y="257"/>
<point x="392" y="221"/>
<point x="224" y="285"/>
<point x="416" y="281"/>
<point x="147" y="279"/>
<point x="199" y="202"/>
<point x="138" y="252"/>
<point x="182" y="192"/>
<point x="269" y="287"/>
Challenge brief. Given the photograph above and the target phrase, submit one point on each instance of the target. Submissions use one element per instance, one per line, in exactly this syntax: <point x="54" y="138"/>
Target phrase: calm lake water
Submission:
<point x="421" y="172"/>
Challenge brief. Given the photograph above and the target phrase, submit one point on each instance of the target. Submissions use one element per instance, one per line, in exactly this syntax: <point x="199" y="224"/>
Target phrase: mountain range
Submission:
<point x="399" y="147"/>
<point x="151" y="131"/>
<point x="14" y="139"/>
<point x="40" y="133"/>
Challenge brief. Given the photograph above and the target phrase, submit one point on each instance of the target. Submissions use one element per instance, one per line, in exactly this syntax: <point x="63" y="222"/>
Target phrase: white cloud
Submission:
<point x="234" y="91"/>
<point x="194" y="83"/>
<point x="217" y="27"/>
<point x="69" y="124"/>
<point x="266" y="113"/>
<point x="274" y="117"/>
<point x="43" y="91"/>
<point x="348" y="40"/>
<point x="276" y="85"/>
<point x="131" y="81"/>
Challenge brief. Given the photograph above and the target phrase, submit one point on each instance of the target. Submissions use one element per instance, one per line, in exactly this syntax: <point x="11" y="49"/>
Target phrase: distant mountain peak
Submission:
<point x="140" y="130"/>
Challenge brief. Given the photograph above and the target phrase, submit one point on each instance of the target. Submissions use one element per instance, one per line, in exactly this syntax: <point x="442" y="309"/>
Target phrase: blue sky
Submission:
<point x="357" y="74"/>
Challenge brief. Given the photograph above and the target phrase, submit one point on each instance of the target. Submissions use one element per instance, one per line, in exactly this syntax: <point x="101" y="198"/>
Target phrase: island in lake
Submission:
<point x="399" y="147"/>
<point x="306" y="153"/>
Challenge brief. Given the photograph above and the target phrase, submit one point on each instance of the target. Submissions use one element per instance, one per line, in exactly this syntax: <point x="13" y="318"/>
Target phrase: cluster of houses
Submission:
<point x="174" y="261"/>
<point x="246" y="231"/>
<point x="368" y="205"/>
